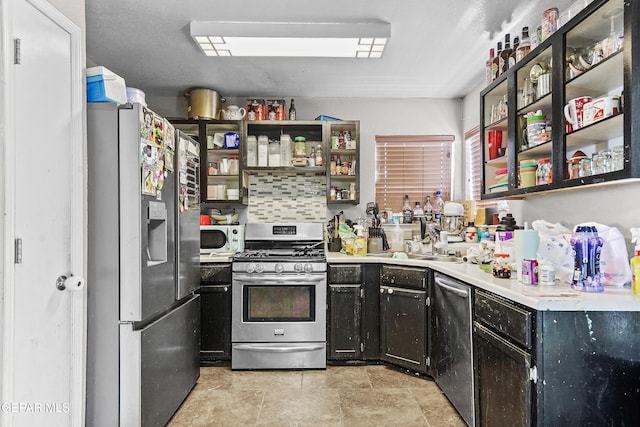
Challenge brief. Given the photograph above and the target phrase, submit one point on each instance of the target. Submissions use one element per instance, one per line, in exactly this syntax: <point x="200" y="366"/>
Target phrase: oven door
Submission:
<point x="279" y="308"/>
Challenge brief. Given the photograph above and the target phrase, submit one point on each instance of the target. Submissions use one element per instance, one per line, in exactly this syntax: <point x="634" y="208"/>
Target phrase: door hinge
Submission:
<point x="427" y="361"/>
<point x="361" y="292"/>
<point x="427" y="301"/>
<point x="361" y="347"/>
<point x="16" y="51"/>
<point x="533" y="374"/>
<point x="17" y="252"/>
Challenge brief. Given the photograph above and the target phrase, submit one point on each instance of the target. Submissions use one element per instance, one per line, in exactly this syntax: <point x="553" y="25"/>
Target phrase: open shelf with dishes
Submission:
<point x="574" y="118"/>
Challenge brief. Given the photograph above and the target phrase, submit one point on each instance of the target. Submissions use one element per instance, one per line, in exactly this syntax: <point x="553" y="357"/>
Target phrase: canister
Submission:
<point x="300" y="147"/>
<point x="549" y="22"/>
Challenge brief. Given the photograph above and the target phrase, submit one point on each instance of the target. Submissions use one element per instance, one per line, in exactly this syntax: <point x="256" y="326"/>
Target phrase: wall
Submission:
<point x="616" y="205"/>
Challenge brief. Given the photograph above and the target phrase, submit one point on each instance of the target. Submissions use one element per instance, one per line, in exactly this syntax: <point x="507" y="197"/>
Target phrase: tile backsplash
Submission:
<point x="287" y="198"/>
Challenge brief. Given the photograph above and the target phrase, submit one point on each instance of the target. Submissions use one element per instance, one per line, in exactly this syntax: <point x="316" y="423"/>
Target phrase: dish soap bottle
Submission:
<point x="635" y="261"/>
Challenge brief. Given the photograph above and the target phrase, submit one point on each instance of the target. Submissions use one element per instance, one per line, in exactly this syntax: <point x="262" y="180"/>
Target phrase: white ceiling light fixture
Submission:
<point x="292" y="39"/>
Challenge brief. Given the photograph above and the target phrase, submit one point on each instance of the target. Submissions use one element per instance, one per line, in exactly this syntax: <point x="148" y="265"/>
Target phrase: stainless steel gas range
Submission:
<point x="279" y="294"/>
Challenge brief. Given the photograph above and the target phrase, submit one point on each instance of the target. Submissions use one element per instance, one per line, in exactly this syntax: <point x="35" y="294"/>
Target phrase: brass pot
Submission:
<point x="204" y="103"/>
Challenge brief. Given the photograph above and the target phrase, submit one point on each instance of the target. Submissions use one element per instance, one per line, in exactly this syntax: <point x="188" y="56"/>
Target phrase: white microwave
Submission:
<point x="221" y="239"/>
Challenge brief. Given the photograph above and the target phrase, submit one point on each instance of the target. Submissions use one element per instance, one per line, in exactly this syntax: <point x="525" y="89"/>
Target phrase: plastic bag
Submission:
<point x="555" y="248"/>
<point x="614" y="259"/>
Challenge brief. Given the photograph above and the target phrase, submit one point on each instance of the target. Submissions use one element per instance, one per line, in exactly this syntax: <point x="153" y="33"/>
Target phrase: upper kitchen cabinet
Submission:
<point x="343" y="179"/>
<point x="574" y="95"/>
<point x="285" y="146"/>
<point x="323" y="148"/>
<point x="220" y="157"/>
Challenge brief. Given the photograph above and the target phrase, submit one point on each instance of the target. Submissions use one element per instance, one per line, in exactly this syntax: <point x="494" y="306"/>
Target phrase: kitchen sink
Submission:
<point x="427" y="257"/>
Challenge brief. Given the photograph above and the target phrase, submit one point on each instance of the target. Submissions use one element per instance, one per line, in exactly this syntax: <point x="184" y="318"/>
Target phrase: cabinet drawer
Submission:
<point x="215" y="274"/>
<point x="414" y="278"/>
<point x="505" y="317"/>
<point x="345" y="273"/>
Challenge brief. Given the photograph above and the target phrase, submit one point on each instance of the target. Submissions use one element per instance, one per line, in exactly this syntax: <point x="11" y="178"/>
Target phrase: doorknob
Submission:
<point x="71" y="283"/>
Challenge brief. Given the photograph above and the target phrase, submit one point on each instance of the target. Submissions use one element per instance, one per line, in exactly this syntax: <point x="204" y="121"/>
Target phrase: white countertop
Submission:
<point x="554" y="298"/>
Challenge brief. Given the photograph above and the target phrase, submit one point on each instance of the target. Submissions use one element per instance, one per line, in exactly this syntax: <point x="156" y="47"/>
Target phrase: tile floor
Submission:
<point x="372" y="395"/>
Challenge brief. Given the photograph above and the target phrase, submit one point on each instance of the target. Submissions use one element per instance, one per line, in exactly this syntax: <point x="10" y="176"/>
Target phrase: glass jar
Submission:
<point x="617" y="158"/>
<point x="543" y="172"/>
<point x="606" y="161"/>
<point x="300" y="147"/>
<point x="585" y="168"/>
<point x="501" y="266"/>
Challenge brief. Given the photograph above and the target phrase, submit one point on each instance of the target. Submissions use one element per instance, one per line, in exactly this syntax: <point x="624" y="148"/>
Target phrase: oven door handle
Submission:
<point x="282" y="280"/>
<point x="276" y="349"/>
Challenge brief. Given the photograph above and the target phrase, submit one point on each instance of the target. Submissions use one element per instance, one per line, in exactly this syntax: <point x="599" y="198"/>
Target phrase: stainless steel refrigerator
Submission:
<point x="142" y="330"/>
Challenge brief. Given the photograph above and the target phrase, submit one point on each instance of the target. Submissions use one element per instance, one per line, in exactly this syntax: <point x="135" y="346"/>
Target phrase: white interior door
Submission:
<point x="43" y="327"/>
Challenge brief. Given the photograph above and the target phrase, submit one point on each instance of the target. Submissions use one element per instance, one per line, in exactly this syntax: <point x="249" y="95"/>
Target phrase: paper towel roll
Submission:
<point x="526" y="242"/>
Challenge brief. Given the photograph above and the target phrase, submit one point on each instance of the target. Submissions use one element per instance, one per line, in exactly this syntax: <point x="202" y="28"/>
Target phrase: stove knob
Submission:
<point x="251" y="268"/>
<point x="297" y="267"/>
<point x="279" y="268"/>
<point x="259" y="267"/>
<point x="308" y="268"/>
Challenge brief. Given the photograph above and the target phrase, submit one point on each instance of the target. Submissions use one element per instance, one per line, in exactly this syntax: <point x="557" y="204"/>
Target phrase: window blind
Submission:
<point x="414" y="165"/>
<point x="473" y="165"/>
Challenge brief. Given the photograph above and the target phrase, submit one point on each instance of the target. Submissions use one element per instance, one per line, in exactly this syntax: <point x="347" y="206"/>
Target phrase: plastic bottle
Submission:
<point x="417" y="210"/>
<point x="360" y="244"/>
<point x="471" y="234"/>
<point x="407" y="213"/>
<point x="428" y="210"/>
<point x="587" y="246"/>
<point x="635" y="261"/>
<point x="438" y="208"/>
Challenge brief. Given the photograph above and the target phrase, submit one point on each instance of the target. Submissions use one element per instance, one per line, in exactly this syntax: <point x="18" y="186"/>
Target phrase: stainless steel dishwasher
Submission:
<point x="452" y="349"/>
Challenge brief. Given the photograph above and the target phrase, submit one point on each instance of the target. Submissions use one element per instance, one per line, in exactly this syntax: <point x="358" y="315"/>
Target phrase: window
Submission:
<point x="473" y="169"/>
<point x="417" y="165"/>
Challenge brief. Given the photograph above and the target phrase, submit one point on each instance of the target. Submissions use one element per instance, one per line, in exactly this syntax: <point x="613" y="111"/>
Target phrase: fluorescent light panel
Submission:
<point x="280" y="39"/>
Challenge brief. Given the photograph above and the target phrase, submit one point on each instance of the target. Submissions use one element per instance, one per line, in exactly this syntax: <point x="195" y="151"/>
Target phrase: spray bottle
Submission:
<point x="635" y="261"/>
<point x="360" y="245"/>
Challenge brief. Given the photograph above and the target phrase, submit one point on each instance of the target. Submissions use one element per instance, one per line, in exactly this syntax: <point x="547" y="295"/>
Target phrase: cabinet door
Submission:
<point x="344" y="322"/>
<point x="215" y="338"/>
<point x="403" y="327"/>
<point x="503" y="389"/>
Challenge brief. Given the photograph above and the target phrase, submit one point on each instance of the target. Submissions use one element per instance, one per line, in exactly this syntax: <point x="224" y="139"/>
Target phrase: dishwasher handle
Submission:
<point x="442" y="283"/>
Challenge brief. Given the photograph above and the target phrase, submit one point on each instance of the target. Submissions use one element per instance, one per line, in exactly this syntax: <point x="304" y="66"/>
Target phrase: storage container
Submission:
<point x="103" y="85"/>
<point x="136" y="96"/>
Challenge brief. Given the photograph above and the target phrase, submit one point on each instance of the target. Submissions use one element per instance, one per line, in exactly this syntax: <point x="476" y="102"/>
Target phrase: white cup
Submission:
<point x="574" y="112"/>
<point x="600" y="108"/>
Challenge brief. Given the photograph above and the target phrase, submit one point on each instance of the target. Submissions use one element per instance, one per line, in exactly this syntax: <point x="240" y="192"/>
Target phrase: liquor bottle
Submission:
<point x="417" y="211"/>
<point x="428" y="210"/>
<point x="489" y="67"/>
<point x="503" y="62"/>
<point x="292" y="111"/>
<point x="407" y="213"/>
<point x="319" y="159"/>
<point x="525" y="44"/>
<point x="496" y="61"/>
<point x="512" y="57"/>
<point x="438" y="209"/>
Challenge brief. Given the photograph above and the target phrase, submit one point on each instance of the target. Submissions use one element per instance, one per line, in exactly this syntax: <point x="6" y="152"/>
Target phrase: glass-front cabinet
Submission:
<point x="343" y="179"/>
<point x="571" y="125"/>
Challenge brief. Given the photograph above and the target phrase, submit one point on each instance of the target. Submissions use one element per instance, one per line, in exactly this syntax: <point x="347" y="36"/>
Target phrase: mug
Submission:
<point x="251" y="115"/>
<point x="495" y="143"/>
<point x="601" y="108"/>
<point x="574" y="112"/>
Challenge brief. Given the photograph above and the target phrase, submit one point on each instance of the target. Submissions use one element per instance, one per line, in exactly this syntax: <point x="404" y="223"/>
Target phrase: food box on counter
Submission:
<point x="103" y="85"/>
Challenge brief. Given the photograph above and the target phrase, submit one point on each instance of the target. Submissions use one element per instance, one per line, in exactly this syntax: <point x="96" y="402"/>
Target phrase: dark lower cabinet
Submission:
<point x="404" y="317"/>
<point x="215" y="312"/>
<point x="352" y="312"/>
<point x="504" y="369"/>
<point x="345" y="305"/>
<point x="503" y="389"/>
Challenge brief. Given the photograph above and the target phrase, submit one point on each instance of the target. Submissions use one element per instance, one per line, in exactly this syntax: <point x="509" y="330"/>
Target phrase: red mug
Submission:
<point x="574" y="112"/>
<point x="205" y="220"/>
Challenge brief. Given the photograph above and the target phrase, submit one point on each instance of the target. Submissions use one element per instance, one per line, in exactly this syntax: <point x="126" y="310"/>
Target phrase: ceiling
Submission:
<point x="437" y="49"/>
